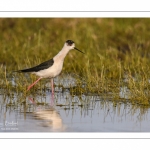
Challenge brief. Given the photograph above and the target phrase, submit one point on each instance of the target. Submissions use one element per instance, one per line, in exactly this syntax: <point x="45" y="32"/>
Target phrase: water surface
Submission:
<point x="78" y="113"/>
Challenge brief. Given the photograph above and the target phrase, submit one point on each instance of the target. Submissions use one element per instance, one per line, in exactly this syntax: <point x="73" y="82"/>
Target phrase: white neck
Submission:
<point x="62" y="54"/>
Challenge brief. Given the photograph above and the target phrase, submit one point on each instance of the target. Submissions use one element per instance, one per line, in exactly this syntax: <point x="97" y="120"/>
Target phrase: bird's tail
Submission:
<point x="24" y="70"/>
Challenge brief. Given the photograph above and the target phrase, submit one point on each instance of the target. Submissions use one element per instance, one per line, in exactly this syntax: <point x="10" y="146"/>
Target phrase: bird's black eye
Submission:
<point x="69" y="42"/>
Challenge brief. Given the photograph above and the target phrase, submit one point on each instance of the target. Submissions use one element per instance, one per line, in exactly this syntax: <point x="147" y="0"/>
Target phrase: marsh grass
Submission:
<point x="117" y="55"/>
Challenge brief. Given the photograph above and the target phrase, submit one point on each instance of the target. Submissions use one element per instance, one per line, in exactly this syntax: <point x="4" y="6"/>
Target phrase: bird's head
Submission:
<point x="71" y="45"/>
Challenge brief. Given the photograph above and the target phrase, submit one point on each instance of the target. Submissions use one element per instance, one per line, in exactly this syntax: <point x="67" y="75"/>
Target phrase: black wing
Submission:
<point x="41" y="66"/>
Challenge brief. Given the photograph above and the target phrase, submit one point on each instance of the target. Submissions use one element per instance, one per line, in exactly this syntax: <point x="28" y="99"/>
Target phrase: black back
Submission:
<point x="39" y="67"/>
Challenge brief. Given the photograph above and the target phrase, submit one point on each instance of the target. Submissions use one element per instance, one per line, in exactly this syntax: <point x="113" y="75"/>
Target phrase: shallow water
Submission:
<point x="85" y="113"/>
<point x="97" y="116"/>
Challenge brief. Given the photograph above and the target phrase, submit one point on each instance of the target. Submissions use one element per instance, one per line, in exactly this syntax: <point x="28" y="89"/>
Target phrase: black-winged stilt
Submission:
<point x="52" y="67"/>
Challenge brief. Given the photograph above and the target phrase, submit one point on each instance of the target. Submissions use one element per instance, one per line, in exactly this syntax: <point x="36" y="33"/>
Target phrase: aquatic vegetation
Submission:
<point x="117" y="56"/>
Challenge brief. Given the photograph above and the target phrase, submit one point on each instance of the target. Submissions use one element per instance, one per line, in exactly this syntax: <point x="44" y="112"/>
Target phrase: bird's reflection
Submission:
<point x="51" y="118"/>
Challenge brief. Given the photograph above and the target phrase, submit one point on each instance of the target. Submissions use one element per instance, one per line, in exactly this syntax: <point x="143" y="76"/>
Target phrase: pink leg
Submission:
<point x="29" y="87"/>
<point x="52" y="85"/>
<point x="32" y="100"/>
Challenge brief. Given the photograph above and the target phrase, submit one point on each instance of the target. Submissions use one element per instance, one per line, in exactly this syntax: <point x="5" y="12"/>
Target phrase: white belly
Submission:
<point x="51" y="72"/>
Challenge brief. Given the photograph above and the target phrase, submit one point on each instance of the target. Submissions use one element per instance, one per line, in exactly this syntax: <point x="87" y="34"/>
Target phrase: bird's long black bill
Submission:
<point x="79" y="50"/>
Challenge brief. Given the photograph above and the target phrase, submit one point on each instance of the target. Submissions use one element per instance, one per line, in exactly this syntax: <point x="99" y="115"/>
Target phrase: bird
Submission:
<point x="52" y="67"/>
